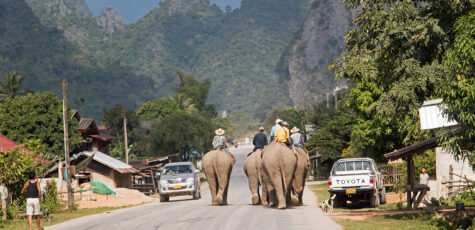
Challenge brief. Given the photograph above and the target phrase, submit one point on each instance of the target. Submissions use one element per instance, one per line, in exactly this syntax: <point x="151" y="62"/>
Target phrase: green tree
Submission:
<point x="11" y="86"/>
<point x="14" y="168"/>
<point x="180" y="133"/>
<point x="457" y="87"/>
<point x="191" y="92"/>
<point x="157" y="109"/>
<point x="393" y="59"/>
<point x="37" y="116"/>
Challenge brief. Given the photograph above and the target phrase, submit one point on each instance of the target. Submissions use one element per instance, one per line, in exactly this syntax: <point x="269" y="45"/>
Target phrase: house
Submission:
<point x="448" y="169"/>
<point x="100" y="168"/>
<point x="94" y="138"/>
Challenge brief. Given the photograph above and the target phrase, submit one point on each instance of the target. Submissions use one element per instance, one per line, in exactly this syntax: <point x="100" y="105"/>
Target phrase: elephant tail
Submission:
<point x="282" y="172"/>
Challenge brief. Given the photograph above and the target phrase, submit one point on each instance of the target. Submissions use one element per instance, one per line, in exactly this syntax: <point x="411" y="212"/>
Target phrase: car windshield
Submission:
<point x="176" y="169"/>
<point x="347" y="166"/>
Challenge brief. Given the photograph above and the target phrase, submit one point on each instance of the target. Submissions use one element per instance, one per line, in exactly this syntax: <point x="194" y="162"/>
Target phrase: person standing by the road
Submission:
<point x="33" y="201"/>
<point x="277" y="125"/>
<point x="260" y="140"/>
<point x="424" y="177"/>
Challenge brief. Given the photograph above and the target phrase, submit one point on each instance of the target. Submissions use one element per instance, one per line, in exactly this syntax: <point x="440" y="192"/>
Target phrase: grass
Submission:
<point x="57" y="218"/>
<point x="396" y="221"/>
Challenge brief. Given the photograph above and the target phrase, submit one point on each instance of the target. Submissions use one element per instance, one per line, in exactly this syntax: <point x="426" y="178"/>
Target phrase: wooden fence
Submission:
<point x="391" y="174"/>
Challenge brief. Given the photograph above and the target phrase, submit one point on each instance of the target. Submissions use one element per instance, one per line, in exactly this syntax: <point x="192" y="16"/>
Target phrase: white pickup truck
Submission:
<point x="356" y="179"/>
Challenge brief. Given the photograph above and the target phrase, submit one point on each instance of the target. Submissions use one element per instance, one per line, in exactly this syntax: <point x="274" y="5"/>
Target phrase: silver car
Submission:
<point x="179" y="179"/>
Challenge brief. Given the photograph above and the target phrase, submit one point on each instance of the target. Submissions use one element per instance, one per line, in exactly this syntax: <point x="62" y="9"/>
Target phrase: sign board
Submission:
<point x="431" y="116"/>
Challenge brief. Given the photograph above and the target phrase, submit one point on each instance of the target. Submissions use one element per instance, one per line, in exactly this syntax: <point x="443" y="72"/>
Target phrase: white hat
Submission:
<point x="278" y="121"/>
<point x="261" y="128"/>
<point x="219" y="131"/>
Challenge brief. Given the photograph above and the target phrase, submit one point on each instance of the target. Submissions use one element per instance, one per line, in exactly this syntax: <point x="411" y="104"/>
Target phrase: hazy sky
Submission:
<point x="131" y="10"/>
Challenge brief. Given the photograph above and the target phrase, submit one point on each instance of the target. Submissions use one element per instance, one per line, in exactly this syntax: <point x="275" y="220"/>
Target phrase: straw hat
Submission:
<point x="219" y="131"/>
<point x="285" y="123"/>
<point x="294" y="130"/>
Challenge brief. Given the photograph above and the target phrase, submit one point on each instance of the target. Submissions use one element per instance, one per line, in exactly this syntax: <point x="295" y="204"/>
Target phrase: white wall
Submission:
<point x="443" y="161"/>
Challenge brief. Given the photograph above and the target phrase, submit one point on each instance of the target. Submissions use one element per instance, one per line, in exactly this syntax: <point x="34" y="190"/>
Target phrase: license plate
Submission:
<point x="177" y="187"/>
<point x="351" y="191"/>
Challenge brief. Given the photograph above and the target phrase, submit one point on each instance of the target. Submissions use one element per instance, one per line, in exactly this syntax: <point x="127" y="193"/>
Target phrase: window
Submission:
<point x="177" y="169"/>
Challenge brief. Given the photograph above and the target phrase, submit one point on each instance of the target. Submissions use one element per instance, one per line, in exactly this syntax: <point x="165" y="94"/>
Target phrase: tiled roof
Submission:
<point x="7" y="144"/>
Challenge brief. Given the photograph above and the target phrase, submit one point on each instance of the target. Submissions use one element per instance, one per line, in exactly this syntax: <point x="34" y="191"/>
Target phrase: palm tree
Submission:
<point x="11" y="86"/>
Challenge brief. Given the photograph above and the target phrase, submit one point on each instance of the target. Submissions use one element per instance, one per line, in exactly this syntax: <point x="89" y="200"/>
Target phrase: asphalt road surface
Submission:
<point x="185" y="213"/>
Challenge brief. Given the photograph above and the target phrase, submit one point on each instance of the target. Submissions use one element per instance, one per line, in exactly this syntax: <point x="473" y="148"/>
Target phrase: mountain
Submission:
<point x="315" y="46"/>
<point x="79" y="26"/>
<point x="44" y="56"/>
<point x="238" y="50"/>
<point x="265" y="54"/>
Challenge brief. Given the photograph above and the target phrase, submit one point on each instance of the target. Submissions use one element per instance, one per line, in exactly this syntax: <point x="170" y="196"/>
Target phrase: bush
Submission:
<point x="51" y="203"/>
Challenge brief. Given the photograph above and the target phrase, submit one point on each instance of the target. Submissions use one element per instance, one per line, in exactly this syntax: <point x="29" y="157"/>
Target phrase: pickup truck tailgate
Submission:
<point x="350" y="181"/>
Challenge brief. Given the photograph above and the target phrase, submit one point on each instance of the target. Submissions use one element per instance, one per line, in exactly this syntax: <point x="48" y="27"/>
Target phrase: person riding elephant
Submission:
<point x="277" y="125"/>
<point x="217" y="168"/>
<point x="278" y="167"/>
<point x="297" y="141"/>
<point x="252" y="168"/>
<point x="282" y="134"/>
<point x="220" y="144"/>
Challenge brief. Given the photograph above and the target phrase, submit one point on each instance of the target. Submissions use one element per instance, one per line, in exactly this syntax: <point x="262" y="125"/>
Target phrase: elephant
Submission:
<point x="301" y="173"/>
<point x="278" y="168"/>
<point x="217" y="166"/>
<point x="252" y="167"/>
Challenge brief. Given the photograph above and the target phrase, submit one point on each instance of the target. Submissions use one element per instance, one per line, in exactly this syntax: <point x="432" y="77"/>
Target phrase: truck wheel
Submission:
<point x="164" y="198"/>
<point x="383" y="195"/>
<point x="374" y="200"/>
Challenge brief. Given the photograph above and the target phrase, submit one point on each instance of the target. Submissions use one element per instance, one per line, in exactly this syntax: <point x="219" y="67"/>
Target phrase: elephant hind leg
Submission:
<point x="213" y="188"/>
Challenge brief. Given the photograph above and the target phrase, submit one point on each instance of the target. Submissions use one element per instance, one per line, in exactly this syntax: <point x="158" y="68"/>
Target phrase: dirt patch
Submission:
<point x="85" y="198"/>
<point x="366" y="215"/>
<point x="392" y="197"/>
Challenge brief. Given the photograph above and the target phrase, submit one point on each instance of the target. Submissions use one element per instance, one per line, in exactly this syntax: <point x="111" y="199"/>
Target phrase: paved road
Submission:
<point x="184" y="213"/>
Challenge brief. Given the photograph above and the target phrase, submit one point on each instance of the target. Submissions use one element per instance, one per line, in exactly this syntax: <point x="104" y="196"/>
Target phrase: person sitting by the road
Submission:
<point x="297" y="141"/>
<point x="219" y="141"/>
<point x="260" y="140"/>
<point x="277" y="125"/>
<point x="282" y="134"/>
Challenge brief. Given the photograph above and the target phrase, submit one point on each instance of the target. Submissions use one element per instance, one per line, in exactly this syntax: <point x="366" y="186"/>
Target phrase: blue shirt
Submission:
<point x="272" y="132"/>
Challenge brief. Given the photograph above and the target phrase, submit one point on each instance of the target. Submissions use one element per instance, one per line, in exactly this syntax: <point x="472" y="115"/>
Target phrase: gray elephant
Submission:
<point x="301" y="173"/>
<point x="217" y="166"/>
<point x="278" y="164"/>
<point x="252" y="168"/>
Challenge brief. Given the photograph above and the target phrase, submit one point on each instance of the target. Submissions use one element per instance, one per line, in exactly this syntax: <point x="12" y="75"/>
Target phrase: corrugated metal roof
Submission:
<point x="431" y="117"/>
<point x="110" y="162"/>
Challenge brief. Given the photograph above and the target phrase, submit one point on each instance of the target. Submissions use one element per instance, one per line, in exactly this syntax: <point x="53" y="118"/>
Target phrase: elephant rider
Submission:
<point x="282" y="134"/>
<point x="219" y="141"/>
<point x="296" y="140"/>
<point x="277" y="125"/>
<point x="260" y="140"/>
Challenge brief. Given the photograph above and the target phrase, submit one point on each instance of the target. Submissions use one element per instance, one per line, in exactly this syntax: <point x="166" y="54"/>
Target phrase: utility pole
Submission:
<point x="336" y="100"/>
<point x="328" y="103"/>
<point x="66" y="146"/>
<point x="125" y="137"/>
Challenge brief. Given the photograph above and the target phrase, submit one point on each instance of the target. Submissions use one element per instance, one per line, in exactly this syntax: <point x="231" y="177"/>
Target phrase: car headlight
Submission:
<point x="189" y="180"/>
<point x="163" y="184"/>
